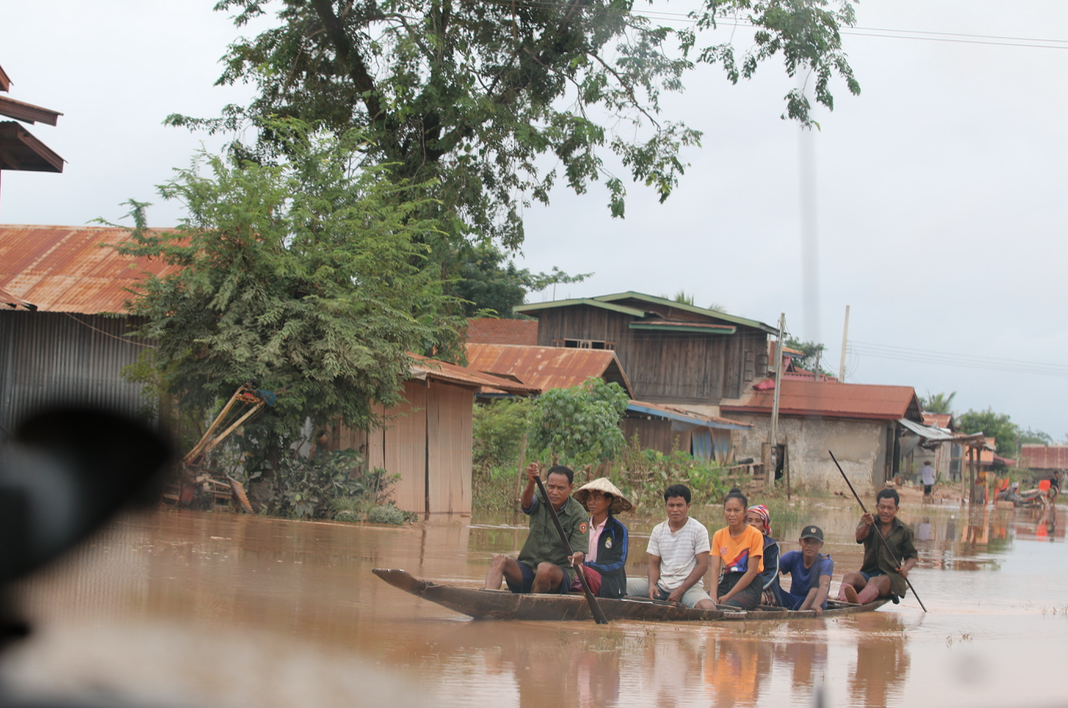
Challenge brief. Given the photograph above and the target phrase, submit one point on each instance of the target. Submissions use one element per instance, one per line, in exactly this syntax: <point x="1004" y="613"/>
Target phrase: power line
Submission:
<point x="878" y="32"/>
<point x="1019" y="366"/>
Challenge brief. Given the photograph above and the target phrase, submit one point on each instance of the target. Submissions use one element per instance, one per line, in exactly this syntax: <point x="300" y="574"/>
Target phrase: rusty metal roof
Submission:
<point x="830" y="399"/>
<point x="1044" y="457"/>
<point x="71" y="268"/>
<point x="14" y="303"/>
<point x="939" y="420"/>
<point x="547" y="367"/>
<point x="453" y="373"/>
<point x="5" y="80"/>
<point x="659" y="410"/>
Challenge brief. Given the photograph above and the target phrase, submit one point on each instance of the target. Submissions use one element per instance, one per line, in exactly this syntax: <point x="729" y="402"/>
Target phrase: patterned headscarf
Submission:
<point x="764" y="514"/>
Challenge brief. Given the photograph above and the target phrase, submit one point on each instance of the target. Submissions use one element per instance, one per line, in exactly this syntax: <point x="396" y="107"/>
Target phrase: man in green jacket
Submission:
<point x="544" y="565"/>
<point x="883" y="572"/>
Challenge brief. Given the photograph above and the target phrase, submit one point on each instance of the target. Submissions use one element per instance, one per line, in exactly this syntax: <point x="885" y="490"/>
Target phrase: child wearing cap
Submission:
<point x="810" y="573"/>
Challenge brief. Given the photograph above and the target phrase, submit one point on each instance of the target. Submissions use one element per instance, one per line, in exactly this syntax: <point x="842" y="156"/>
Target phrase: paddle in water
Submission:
<point x="877" y="531"/>
<point x="595" y="609"/>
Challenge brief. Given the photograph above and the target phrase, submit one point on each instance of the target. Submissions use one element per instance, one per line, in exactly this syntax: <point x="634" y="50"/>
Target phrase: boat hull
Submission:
<point x="504" y="605"/>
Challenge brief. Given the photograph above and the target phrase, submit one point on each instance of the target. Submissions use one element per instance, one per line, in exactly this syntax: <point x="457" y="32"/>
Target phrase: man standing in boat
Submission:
<point x="678" y="556"/>
<point x="880" y="574"/>
<point x="544" y="565"/>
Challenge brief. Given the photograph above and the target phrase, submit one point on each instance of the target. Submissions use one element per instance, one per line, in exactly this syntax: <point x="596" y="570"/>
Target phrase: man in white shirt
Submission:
<point x="678" y="556"/>
<point x="927" y="477"/>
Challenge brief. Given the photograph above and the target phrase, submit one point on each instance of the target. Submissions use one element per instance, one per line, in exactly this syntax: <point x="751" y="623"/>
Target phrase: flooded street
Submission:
<point x="212" y="609"/>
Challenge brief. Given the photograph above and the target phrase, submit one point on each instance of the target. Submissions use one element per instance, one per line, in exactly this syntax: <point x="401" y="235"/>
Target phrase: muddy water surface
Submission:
<point x="187" y="608"/>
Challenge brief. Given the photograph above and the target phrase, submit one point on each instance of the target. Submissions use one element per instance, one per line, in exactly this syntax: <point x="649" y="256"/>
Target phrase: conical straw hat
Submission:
<point x="619" y="503"/>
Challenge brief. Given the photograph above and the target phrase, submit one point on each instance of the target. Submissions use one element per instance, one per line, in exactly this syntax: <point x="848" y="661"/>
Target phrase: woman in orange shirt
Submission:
<point x="737" y="551"/>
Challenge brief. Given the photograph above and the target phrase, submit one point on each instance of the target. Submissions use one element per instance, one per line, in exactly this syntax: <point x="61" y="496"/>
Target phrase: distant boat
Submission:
<point x="504" y="605"/>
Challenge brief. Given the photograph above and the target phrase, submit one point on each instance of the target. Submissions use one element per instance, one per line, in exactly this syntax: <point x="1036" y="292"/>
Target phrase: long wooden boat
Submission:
<point x="504" y="605"/>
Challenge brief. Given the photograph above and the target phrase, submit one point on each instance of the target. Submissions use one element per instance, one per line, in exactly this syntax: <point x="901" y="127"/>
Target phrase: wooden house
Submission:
<point x="673" y="353"/>
<point x="428" y="437"/>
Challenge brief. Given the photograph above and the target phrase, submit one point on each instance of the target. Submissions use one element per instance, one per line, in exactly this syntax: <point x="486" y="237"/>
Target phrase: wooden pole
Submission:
<point x="773" y="440"/>
<point x="519" y="474"/>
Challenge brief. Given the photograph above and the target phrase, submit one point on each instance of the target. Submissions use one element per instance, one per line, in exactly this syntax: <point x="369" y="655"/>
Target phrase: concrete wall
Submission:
<point x="860" y="447"/>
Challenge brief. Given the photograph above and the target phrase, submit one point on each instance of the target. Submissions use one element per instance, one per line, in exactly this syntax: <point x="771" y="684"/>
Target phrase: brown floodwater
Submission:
<point x="180" y="608"/>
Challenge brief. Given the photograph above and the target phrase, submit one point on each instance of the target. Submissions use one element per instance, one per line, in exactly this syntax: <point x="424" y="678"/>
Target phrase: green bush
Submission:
<point x="499" y="428"/>
<point x="387" y="514"/>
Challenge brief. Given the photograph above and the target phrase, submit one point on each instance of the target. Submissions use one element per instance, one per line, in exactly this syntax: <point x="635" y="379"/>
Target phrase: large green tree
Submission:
<point x="304" y="277"/>
<point x="996" y="425"/>
<point x="476" y="95"/>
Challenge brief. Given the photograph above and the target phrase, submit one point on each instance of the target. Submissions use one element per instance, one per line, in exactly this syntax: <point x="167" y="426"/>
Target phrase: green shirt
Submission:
<point x="543" y="542"/>
<point x="876" y="557"/>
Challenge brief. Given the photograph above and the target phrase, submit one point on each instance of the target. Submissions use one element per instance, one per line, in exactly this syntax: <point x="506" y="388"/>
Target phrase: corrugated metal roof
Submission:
<point x="591" y="302"/>
<point x="453" y="373"/>
<point x="67" y="269"/>
<point x="547" y="367"/>
<point x="829" y="399"/>
<point x="1044" y="457"/>
<point x="939" y="420"/>
<point x="717" y="314"/>
<point x="684" y="416"/>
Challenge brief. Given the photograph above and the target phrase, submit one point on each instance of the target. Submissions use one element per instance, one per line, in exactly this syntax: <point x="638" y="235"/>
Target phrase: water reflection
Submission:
<point x="882" y="663"/>
<point x="736" y="668"/>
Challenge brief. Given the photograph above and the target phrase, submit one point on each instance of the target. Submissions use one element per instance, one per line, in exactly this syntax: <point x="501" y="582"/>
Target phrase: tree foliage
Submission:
<point x="991" y="424"/>
<point x="489" y="285"/>
<point x="938" y="403"/>
<point x="473" y="95"/>
<point x="581" y="424"/>
<point x="813" y="355"/>
<point x="306" y="278"/>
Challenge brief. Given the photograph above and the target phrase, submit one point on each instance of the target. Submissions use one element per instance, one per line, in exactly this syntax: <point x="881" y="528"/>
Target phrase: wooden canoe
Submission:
<point x="504" y="605"/>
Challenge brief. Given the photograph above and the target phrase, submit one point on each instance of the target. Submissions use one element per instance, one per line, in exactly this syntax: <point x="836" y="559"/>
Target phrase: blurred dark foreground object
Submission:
<point x="63" y="473"/>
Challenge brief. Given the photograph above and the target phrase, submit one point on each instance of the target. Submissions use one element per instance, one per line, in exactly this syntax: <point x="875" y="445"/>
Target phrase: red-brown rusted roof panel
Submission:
<point x="71" y="268"/>
<point x="547" y="367"/>
<point x="939" y="420"/>
<point x="1044" y="457"/>
<point x="828" y="399"/>
<point x="5" y="80"/>
<point x="453" y="373"/>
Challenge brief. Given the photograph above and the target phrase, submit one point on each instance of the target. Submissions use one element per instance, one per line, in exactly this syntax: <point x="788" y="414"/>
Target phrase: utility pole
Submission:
<point x="773" y="441"/>
<point x="845" y="340"/>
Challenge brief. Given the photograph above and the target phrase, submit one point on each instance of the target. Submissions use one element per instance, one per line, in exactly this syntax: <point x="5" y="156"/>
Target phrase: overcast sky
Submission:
<point x="938" y="213"/>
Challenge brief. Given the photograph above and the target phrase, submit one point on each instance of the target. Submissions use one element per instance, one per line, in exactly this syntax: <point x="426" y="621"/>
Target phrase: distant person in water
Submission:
<point x="810" y="573"/>
<point x="544" y="565"/>
<point x="880" y="575"/>
<point x="606" y="558"/>
<point x="927" y="477"/>
<point x="678" y="556"/>
<point x="759" y="518"/>
<point x="737" y="557"/>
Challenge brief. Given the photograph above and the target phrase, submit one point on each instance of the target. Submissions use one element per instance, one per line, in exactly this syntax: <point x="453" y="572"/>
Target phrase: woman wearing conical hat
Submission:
<point x="606" y="561"/>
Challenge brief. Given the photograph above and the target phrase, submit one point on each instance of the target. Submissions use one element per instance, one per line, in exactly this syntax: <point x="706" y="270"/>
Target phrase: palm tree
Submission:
<point x="937" y="403"/>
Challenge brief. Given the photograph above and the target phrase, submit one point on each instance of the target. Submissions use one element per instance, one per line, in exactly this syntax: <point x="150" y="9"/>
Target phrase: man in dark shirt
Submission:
<point x="881" y="573"/>
<point x="544" y="565"/>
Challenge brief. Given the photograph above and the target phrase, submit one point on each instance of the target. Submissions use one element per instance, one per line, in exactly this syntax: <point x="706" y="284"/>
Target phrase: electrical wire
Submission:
<point x="971" y="361"/>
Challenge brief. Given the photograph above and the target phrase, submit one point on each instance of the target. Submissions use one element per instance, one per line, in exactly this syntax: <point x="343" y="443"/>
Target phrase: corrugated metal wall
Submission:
<point x="49" y="356"/>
